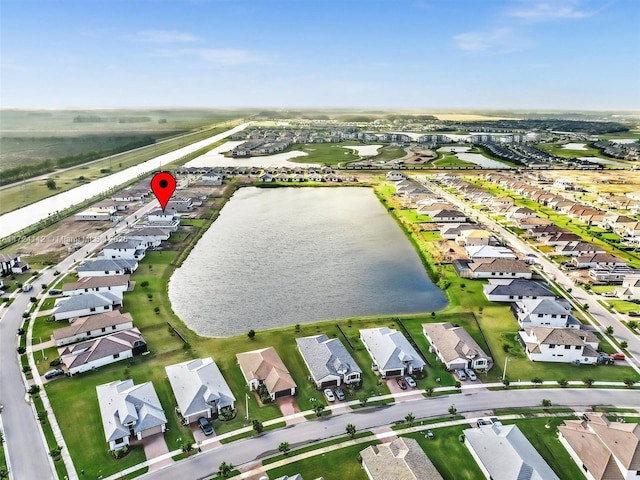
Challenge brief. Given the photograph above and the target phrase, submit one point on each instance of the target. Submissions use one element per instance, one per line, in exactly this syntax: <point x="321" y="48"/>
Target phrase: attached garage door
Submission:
<point x="394" y="373"/>
<point x="283" y="393"/>
<point x="152" y="431"/>
<point x="330" y="383"/>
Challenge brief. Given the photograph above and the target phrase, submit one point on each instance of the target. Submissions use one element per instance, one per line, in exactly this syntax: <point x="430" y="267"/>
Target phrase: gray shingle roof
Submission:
<point x="88" y="300"/>
<point x="106" y="264"/>
<point x="326" y="356"/>
<point x="198" y="385"/>
<point x="545" y="307"/>
<point x="390" y="349"/>
<point x="521" y="287"/>
<point x="402" y="459"/>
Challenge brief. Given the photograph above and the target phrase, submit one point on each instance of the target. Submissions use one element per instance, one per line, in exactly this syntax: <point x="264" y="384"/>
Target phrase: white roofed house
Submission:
<point x="179" y="204"/>
<point x="116" y="284"/>
<point x="544" y="313"/>
<point x="503" y="453"/>
<point x="489" y="251"/>
<point x="125" y="249"/>
<point x="391" y="352"/>
<point x="148" y="236"/>
<point x="128" y="409"/>
<point x="200" y="389"/>
<point x="328" y="361"/>
<point x="87" y="304"/>
<point x="455" y="347"/>
<point x="106" y="266"/>
<point x="566" y="345"/>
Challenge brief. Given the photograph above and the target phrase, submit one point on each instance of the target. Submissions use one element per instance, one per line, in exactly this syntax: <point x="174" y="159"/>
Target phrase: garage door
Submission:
<point x="331" y="383"/>
<point x="152" y="431"/>
<point x="394" y="373"/>
<point x="283" y="393"/>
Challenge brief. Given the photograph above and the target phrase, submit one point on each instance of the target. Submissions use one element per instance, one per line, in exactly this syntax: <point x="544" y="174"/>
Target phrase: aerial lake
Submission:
<point x="283" y="256"/>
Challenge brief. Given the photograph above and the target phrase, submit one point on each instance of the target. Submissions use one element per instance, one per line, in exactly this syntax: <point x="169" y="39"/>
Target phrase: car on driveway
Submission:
<point x="411" y="382"/>
<point x="339" y="393"/>
<point x="205" y="426"/>
<point x="329" y="395"/>
<point x="53" y="373"/>
<point x="55" y="291"/>
<point x="471" y="374"/>
<point x="401" y="383"/>
<point x="634" y="314"/>
<point x="617" y="356"/>
<point x="461" y="374"/>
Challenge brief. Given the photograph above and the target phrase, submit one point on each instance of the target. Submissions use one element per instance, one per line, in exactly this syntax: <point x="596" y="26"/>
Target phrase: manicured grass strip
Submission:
<point x="252" y="432"/>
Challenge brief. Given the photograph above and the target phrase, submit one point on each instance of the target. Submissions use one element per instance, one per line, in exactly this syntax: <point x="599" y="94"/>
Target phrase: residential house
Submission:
<point x="91" y="354"/>
<point x="106" y="267"/>
<point x="264" y="367"/>
<point x="116" y="284"/>
<point x="328" y="361"/>
<point x="489" y="251"/>
<point x="179" y="205"/>
<point x="567" y="345"/>
<point x="579" y="249"/>
<point x="596" y="260"/>
<point x="630" y="289"/>
<point x="612" y="274"/>
<point x="448" y="216"/>
<point x="455" y="347"/>
<point x="503" y="453"/>
<point x="527" y="223"/>
<point x="515" y="290"/>
<point x="265" y="177"/>
<point x="200" y="389"/>
<point x="99" y="214"/>
<point x="395" y="175"/>
<point x="401" y="459"/>
<point x="562" y="238"/>
<point x="85" y="328"/>
<point x="544" y="231"/>
<point x="519" y="212"/>
<point x="499" y="268"/>
<point x="128" y="409"/>
<point x="148" y="237"/>
<point x="604" y="450"/>
<point x="392" y="354"/>
<point x="125" y="249"/>
<point x="472" y="238"/>
<point x="544" y="313"/>
<point x="162" y="216"/>
<point x="84" y="305"/>
<point x="11" y="263"/>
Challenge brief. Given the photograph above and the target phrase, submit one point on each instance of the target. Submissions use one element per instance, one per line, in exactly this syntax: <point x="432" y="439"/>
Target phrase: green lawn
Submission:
<point x="446" y="446"/>
<point x="43" y="329"/>
<point x="388" y="153"/>
<point x="624" y="306"/>
<point x="345" y="459"/>
<point x="432" y="236"/>
<point x="325" y="153"/>
<point x="411" y="215"/>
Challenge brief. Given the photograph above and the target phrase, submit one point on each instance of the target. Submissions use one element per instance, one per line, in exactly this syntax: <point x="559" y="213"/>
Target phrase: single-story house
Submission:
<point x="578" y="249"/>
<point x="455" y="347"/>
<point x="128" y="409"/>
<point x="489" y="251"/>
<point x="95" y="353"/>
<point x="630" y="289"/>
<point x="162" y="216"/>
<point x="612" y="274"/>
<point x="264" y="367"/>
<point x="106" y="266"/>
<point x="515" y="290"/>
<point x="602" y="449"/>
<point x="598" y="260"/>
<point x="328" y="361"/>
<point x="395" y="175"/>
<point x="499" y="268"/>
<point x="84" y="328"/>
<point x="99" y="214"/>
<point x="566" y="345"/>
<point x="84" y="305"/>
<point x="199" y="388"/>
<point x="503" y="453"/>
<point x="391" y="352"/>
<point x="116" y="284"/>
<point x="401" y="459"/>
<point x="448" y="216"/>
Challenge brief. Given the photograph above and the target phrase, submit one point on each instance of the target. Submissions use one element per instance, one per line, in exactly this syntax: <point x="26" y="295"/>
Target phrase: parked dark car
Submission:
<point x="55" y="291"/>
<point x="205" y="426"/>
<point x="53" y="373"/>
<point x="401" y="383"/>
<point x="339" y="393"/>
<point x="634" y="314"/>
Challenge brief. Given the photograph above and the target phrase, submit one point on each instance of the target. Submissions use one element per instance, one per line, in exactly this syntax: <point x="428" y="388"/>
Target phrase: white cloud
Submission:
<point x="542" y="11"/>
<point x="216" y="56"/>
<point x="162" y="36"/>
<point x="499" y="40"/>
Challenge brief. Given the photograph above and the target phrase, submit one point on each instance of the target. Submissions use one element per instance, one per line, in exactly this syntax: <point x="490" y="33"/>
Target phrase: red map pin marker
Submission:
<point x="163" y="185"/>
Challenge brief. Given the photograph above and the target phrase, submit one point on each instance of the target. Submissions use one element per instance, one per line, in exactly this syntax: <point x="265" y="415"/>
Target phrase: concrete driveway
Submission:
<point x="288" y="406"/>
<point x="155" y="446"/>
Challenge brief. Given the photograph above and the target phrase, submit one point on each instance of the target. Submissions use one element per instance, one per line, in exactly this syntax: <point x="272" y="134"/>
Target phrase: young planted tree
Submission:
<point x="224" y="469"/>
<point x="351" y="430"/>
<point x="409" y="418"/>
<point x="257" y="426"/>
<point x="284" y="447"/>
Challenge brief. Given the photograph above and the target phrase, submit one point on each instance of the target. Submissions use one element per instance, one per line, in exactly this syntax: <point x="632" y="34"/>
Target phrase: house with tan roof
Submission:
<point x="596" y="260"/>
<point x="402" y="459"/>
<point x="604" y="450"/>
<point x="85" y="328"/>
<point x="455" y="347"/>
<point x="116" y="284"/>
<point x="499" y="268"/>
<point x="565" y="345"/>
<point x="264" y="367"/>
<point x="470" y="238"/>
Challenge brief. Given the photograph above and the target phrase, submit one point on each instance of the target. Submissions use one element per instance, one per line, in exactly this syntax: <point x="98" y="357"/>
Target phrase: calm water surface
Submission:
<point x="283" y="256"/>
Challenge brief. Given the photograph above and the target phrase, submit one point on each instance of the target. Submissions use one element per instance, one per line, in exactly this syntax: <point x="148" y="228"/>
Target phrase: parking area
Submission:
<point x="288" y="406"/>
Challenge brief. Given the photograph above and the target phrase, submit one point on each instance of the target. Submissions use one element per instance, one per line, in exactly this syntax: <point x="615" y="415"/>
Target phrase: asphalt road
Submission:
<point x="246" y="451"/>
<point x="551" y="270"/>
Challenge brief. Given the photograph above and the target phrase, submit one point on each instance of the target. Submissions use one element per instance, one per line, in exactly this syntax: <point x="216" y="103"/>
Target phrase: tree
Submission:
<point x="257" y="426"/>
<point x="284" y="447"/>
<point x="609" y="330"/>
<point x="318" y="408"/>
<point x="633" y="324"/>
<point x="187" y="447"/>
<point x="429" y="391"/>
<point x="409" y="418"/>
<point x="585" y="307"/>
<point x="457" y="385"/>
<point x="51" y="184"/>
<point x="536" y="380"/>
<point x="351" y="430"/>
<point x="629" y="382"/>
<point x="453" y="410"/>
<point x="624" y="344"/>
<point x="364" y="398"/>
<point x="588" y="382"/>
<point x="224" y="469"/>
<point x="546" y="402"/>
<point x="251" y="334"/>
<point x="562" y="382"/>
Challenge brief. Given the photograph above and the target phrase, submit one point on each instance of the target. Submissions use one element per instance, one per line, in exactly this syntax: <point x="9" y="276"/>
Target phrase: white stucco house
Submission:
<point x="455" y="347"/>
<point x="328" y="361"/>
<point x="391" y="352"/>
<point x="115" y="284"/>
<point x="544" y="313"/>
<point x="128" y="409"/>
<point x="125" y="249"/>
<point x="84" y="305"/>
<point x="565" y="345"/>
<point x="85" y="328"/>
<point x="105" y="267"/>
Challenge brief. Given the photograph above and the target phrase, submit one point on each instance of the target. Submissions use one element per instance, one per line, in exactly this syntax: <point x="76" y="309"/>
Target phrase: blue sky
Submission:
<point x="439" y="54"/>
